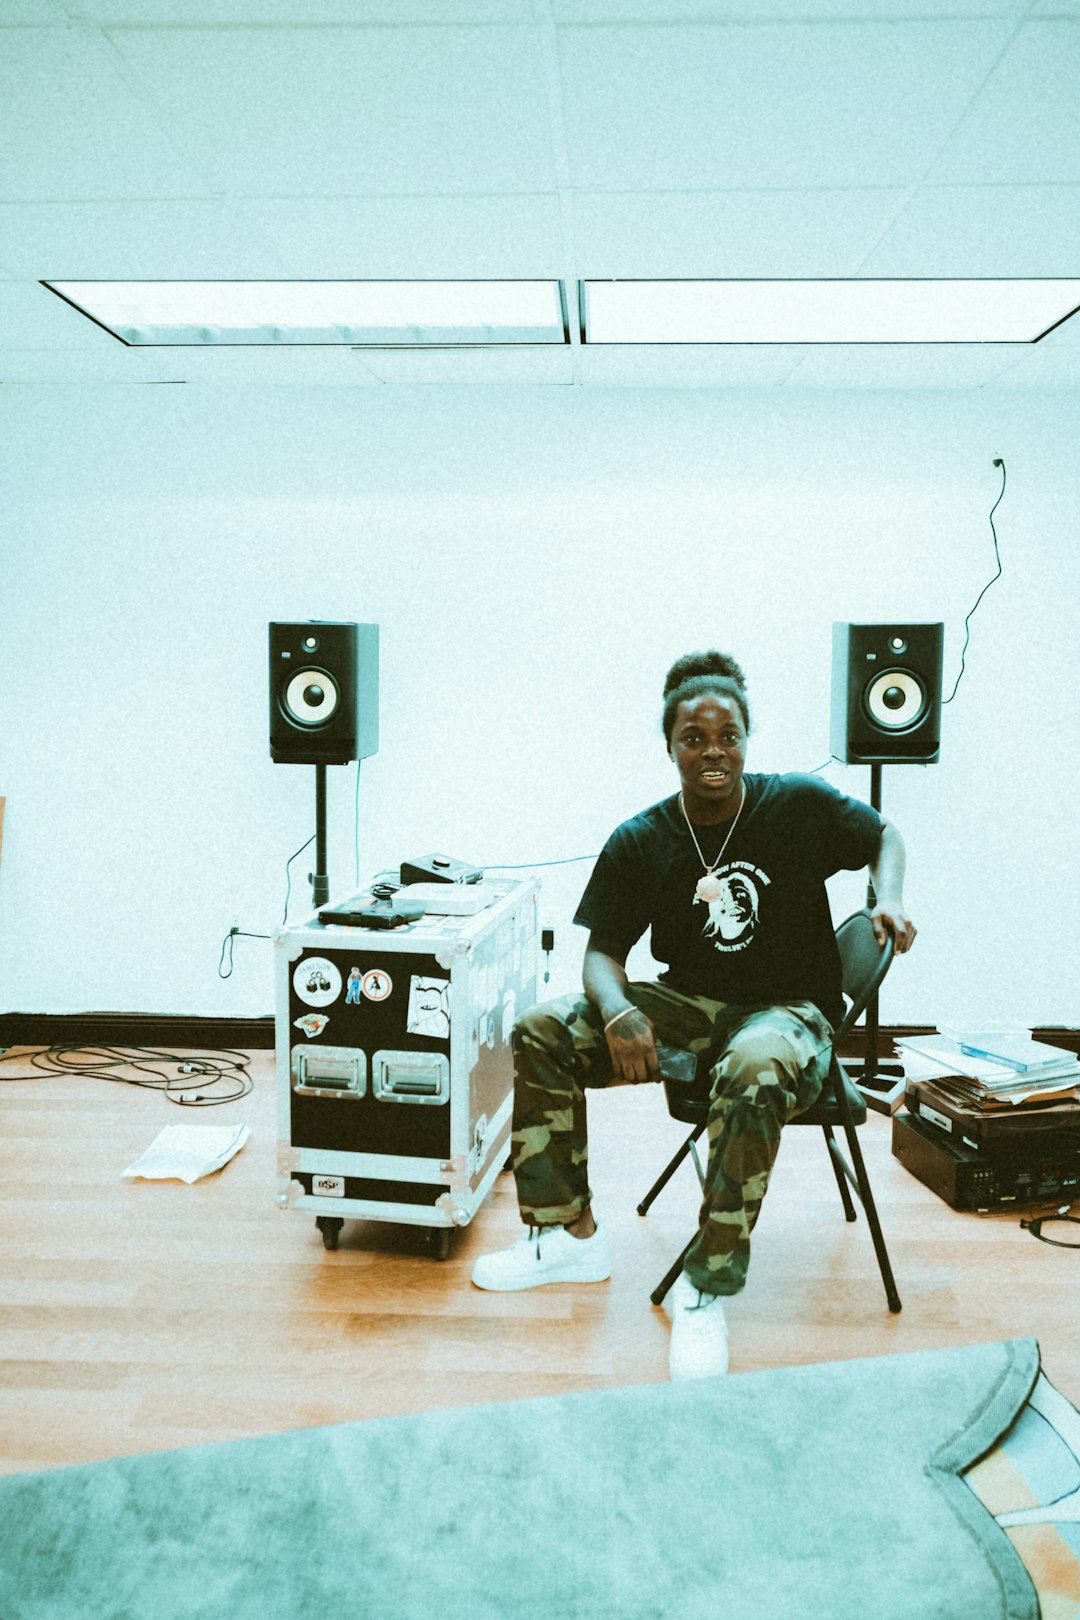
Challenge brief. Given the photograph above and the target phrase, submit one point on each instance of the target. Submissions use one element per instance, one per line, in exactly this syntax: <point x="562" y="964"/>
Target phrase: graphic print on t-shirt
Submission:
<point x="735" y="905"/>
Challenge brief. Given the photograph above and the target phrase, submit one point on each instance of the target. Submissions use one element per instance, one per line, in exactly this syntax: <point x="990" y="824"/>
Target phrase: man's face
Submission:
<point x="708" y="747"/>
<point x="735" y="907"/>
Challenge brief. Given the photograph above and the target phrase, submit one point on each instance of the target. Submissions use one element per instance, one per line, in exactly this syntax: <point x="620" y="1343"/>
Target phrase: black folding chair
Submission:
<point x="864" y="964"/>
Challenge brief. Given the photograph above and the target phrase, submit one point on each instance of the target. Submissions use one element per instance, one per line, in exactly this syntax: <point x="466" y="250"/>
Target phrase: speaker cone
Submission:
<point x="895" y="700"/>
<point x="311" y="697"/>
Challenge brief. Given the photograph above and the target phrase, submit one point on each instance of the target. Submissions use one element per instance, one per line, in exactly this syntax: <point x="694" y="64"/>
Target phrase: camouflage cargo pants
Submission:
<point x="769" y="1063"/>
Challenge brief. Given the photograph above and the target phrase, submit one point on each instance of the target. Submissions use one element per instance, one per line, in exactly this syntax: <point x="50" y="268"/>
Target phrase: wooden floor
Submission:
<point x="138" y="1316"/>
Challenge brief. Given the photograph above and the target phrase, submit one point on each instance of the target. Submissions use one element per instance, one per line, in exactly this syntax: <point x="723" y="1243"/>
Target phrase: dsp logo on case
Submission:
<point x="328" y="1186"/>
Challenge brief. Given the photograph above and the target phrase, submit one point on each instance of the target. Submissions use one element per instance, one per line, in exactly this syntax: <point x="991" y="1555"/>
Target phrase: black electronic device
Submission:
<point x="439" y="869"/>
<point x="324" y="692"/>
<point x="997" y="1131"/>
<point x="886" y="693"/>
<point x="377" y="918"/>
<point x="1042" y="1172"/>
<point x="363" y="910"/>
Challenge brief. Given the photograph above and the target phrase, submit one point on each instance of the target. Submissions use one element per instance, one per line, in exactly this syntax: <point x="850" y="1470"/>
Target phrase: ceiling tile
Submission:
<point x="728" y="233"/>
<point x="32" y="317"/>
<point x="72" y="125"/>
<point x="290" y="13"/>
<point x="549" y="367"/>
<point x="1025" y="125"/>
<point x="410" y="237"/>
<point x="329" y="112"/>
<point x="98" y="365"/>
<point x="903" y="365"/>
<point x="1065" y="335"/>
<point x="662" y="109"/>
<point x="982" y="231"/>
<point x="39" y="13"/>
<point x="755" y="11"/>
<point x="272" y="368"/>
<point x="679" y="365"/>
<point x="1045" y="368"/>
<point x="135" y="241"/>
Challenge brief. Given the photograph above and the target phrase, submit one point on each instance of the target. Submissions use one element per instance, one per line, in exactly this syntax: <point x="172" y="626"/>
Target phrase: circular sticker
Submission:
<point x="376" y="984"/>
<point x="316" y="981"/>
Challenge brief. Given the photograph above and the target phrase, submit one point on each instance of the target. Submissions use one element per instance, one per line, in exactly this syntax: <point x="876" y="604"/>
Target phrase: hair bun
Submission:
<point x="702" y="663"/>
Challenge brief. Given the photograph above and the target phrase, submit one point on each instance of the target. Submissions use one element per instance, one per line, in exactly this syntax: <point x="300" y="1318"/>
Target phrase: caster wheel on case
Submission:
<point x="329" y="1226"/>
<point x="439" y="1242"/>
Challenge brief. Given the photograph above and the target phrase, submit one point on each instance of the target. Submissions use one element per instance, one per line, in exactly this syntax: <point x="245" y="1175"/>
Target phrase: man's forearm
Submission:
<point x="888" y="867"/>
<point x="605" y="982"/>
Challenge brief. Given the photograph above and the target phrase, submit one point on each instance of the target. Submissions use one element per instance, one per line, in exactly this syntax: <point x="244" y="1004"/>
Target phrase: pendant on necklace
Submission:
<point x="708" y="888"/>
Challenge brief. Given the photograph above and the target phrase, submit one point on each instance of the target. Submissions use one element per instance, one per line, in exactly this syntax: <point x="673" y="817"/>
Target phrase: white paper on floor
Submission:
<point x="188" y="1152"/>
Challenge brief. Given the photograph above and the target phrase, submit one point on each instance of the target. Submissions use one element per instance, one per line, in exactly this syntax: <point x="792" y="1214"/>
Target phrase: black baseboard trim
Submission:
<point x="172" y="1030"/>
<point x="161" y="1031"/>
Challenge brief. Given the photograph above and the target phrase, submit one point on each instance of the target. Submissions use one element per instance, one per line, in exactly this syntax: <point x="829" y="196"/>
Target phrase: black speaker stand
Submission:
<point x="882" y="1084"/>
<point x="320" y="881"/>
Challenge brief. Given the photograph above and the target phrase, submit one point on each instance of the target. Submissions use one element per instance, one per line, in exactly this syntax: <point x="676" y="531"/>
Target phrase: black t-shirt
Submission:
<point x="767" y="934"/>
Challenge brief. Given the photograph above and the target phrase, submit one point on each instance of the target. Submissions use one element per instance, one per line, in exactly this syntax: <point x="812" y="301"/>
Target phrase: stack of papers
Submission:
<point x="982" y="1082"/>
<point x="188" y="1152"/>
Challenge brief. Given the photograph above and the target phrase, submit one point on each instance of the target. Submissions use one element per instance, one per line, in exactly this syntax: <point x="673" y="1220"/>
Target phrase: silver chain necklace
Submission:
<point x="709" y="886"/>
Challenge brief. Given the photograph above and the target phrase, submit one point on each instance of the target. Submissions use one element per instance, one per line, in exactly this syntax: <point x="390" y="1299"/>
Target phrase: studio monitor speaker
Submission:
<point x="324" y="692"/>
<point x="886" y="693"/>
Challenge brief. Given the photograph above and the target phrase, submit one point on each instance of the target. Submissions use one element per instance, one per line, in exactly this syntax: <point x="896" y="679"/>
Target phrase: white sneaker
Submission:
<point x="699" y="1340"/>
<point x="546" y="1254"/>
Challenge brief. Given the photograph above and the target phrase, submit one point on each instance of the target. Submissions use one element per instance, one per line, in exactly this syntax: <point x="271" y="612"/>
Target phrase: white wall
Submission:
<point x="535" y="559"/>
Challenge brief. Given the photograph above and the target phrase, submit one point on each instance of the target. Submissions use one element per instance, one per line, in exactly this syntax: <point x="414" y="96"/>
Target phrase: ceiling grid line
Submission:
<point x="502" y="139"/>
<point x="913" y="190"/>
<point x="568" y="259"/>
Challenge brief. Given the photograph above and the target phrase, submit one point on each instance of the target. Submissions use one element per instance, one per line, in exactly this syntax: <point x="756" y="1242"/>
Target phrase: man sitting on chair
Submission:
<point x="729" y="875"/>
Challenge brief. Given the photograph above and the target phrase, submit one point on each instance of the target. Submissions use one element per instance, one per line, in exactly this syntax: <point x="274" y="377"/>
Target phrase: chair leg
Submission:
<point x="660" y="1291"/>
<point x="841" y="1179"/>
<point x="862" y="1182"/>
<point x="666" y="1175"/>
<point x="868" y="1205"/>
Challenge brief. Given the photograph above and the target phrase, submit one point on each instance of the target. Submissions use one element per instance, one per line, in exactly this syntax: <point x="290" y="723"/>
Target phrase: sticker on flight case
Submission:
<point x="316" y="981"/>
<point x="376" y="984"/>
<point x="352" y="988"/>
<point x="429" y="1007"/>
<point x="312" y="1024"/>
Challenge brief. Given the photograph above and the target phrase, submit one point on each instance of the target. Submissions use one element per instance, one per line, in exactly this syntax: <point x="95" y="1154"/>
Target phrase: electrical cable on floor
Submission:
<point x="998" y="462"/>
<point x="188" y="1088"/>
<point x="1035" y="1227"/>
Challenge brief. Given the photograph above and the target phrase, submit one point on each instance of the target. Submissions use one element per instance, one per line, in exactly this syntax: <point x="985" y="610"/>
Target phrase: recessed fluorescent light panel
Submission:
<point x="381" y="314"/>
<point x="824" y="311"/>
